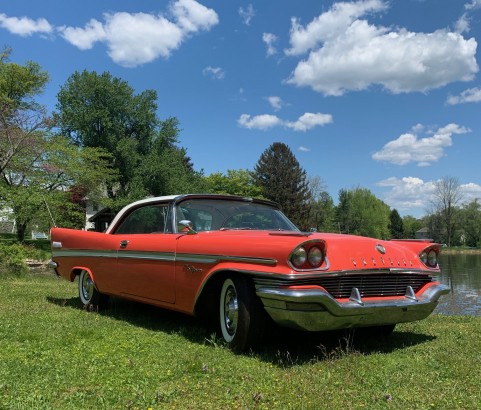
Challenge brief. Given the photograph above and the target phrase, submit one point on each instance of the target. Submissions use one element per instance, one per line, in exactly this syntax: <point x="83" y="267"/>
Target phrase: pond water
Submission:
<point x="462" y="273"/>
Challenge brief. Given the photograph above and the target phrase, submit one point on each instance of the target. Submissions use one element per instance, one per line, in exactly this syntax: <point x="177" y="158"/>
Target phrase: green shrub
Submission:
<point x="12" y="257"/>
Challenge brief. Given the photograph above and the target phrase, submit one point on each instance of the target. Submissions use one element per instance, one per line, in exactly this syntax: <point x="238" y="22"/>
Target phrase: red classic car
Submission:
<point x="241" y="260"/>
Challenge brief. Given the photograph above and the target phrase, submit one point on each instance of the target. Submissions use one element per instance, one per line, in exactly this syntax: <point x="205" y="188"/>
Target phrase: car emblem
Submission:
<point x="380" y="248"/>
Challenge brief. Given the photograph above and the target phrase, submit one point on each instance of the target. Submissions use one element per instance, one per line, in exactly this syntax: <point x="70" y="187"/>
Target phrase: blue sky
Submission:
<point x="385" y="95"/>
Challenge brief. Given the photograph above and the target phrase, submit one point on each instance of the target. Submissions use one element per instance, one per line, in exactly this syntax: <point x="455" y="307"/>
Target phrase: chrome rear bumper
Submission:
<point x="316" y="310"/>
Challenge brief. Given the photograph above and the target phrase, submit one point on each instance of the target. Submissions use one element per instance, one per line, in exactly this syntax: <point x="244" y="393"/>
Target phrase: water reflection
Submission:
<point x="462" y="273"/>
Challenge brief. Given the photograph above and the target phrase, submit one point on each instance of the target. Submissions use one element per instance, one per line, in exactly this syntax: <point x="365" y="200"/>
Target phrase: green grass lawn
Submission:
<point x="55" y="355"/>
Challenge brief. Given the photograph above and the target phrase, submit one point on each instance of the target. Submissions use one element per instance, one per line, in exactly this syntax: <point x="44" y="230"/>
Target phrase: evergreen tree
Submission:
<point x="282" y="180"/>
<point x="396" y="226"/>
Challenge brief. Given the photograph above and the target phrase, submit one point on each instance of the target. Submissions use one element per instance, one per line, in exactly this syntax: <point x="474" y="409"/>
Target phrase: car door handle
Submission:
<point x="123" y="244"/>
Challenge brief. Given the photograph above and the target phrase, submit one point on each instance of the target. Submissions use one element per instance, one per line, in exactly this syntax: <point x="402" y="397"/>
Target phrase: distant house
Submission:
<point x="100" y="220"/>
<point x="7" y="226"/>
<point x="423" y="233"/>
<point x="7" y="222"/>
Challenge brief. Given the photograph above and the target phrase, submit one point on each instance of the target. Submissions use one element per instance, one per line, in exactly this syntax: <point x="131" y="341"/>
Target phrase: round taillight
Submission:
<point x="299" y="257"/>
<point x="315" y="257"/>
<point x="432" y="260"/>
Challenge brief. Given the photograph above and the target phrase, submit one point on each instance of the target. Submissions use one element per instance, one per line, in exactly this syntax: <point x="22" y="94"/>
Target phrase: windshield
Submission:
<point x="221" y="214"/>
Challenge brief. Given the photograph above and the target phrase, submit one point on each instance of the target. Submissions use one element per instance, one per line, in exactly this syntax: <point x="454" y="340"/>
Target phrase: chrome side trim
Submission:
<point x="63" y="253"/>
<point x="286" y="278"/>
<point x="162" y="256"/>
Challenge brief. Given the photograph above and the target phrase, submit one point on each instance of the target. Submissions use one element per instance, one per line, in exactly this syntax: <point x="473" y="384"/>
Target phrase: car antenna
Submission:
<point x="50" y="213"/>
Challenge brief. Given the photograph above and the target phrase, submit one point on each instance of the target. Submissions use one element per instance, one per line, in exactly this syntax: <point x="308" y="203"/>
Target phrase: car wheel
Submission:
<point x="89" y="295"/>
<point x="242" y="316"/>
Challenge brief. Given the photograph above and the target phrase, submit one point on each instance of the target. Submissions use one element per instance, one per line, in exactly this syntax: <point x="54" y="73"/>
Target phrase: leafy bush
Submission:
<point x="12" y="257"/>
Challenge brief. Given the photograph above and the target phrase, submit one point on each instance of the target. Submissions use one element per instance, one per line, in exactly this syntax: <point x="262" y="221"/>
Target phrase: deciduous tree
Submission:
<point x="35" y="165"/>
<point x="235" y="182"/>
<point x="470" y="216"/>
<point x="359" y="212"/>
<point x="447" y="196"/>
<point x="99" y="110"/>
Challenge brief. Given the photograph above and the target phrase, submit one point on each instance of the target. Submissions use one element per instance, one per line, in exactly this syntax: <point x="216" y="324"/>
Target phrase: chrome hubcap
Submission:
<point x="87" y="287"/>
<point x="231" y="310"/>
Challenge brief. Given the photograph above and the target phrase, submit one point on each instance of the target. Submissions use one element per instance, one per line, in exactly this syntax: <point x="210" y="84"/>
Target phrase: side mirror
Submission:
<point x="186" y="227"/>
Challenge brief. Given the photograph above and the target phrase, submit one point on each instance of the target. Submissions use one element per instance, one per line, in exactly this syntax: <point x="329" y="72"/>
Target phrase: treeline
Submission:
<point x="104" y="143"/>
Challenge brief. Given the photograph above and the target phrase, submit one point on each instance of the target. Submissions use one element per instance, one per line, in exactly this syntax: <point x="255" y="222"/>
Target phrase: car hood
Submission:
<point x="344" y="252"/>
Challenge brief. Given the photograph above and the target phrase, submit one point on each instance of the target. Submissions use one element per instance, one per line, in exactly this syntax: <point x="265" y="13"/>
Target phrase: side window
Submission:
<point x="201" y="220"/>
<point x="148" y="219"/>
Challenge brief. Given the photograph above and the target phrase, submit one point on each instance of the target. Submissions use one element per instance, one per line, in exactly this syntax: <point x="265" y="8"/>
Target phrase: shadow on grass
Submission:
<point x="282" y="347"/>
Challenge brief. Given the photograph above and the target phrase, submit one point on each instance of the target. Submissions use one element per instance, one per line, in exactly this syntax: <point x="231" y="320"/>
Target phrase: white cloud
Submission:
<point x="346" y="53"/>
<point x="330" y="25"/>
<point x="463" y="23"/>
<point x="247" y="14"/>
<point x="270" y="39"/>
<point x="305" y="122"/>
<point x="424" y="151"/>
<point x="470" y="192"/>
<point x="310" y="120"/>
<point x="408" y="193"/>
<point x="276" y="102"/>
<point x="215" y="73"/>
<point x="474" y="4"/>
<point x="303" y="149"/>
<point x="84" y="38"/>
<point x="138" y="38"/>
<point x="411" y="193"/>
<point x="471" y="95"/>
<point x="192" y="16"/>
<point x="25" y="26"/>
<point x="260" y="122"/>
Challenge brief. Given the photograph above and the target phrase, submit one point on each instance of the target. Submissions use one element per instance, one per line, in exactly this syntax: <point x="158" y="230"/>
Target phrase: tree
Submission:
<point x="323" y="213"/>
<point x="434" y="223"/>
<point x="322" y="210"/>
<point x="103" y="111"/>
<point x="282" y="180"/>
<point x="22" y="120"/>
<point x="236" y="182"/>
<point x="396" y="225"/>
<point x="36" y="166"/>
<point x="47" y="175"/>
<point x="360" y="213"/>
<point x="411" y="225"/>
<point x="446" y="197"/>
<point x="470" y="216"/>
<point x="344" y="211"/>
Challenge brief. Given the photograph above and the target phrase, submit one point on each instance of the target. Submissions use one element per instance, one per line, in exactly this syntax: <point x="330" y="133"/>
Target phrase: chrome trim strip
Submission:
<point x="322" y="274"/>
<point x="161" y="256"/>
<point x="63" y="253"/>
<point x="155" y="256"/>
